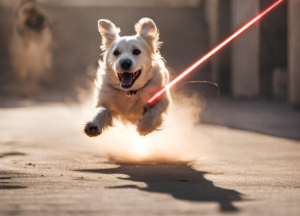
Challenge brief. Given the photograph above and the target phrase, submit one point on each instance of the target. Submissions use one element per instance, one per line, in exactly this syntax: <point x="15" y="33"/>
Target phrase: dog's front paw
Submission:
<point x="92" y="130"/>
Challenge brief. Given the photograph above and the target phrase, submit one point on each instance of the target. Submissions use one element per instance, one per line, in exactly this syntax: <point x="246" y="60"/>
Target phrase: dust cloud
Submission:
<point x="181" y="140"/>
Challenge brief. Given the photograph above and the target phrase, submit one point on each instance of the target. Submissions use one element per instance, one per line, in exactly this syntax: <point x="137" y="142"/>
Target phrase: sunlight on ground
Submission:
<point x="139" y="146"/>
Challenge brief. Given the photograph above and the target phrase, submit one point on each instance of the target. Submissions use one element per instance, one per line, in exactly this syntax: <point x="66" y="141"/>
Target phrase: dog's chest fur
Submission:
<point x="127" y="109"/>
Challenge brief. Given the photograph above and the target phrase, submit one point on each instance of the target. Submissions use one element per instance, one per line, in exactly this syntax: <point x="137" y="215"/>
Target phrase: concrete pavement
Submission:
<point x="49" y="167"/>
<point x="273" y="117"/>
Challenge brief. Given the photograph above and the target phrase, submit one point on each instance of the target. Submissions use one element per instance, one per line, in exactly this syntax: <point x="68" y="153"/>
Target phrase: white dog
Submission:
<point x="132" y="70"/>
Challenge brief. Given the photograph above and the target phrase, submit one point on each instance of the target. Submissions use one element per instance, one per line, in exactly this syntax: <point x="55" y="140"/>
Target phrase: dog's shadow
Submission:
<point x="178" y="180"/>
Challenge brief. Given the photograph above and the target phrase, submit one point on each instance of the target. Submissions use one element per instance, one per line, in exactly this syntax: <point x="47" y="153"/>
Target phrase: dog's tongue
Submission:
<point x="126" y="79"/>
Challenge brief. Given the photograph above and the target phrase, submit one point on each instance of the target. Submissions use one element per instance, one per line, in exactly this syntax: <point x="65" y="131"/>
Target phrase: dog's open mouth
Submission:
<point x="127" y="79"/>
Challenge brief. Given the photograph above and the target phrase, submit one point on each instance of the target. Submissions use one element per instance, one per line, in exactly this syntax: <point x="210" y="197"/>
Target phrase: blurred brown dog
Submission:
<point x="31" y="46"/>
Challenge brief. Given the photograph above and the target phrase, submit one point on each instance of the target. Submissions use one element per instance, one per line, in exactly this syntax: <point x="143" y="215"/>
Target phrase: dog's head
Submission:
<point x="31" y="16"/>
<point x="130" y="57"/>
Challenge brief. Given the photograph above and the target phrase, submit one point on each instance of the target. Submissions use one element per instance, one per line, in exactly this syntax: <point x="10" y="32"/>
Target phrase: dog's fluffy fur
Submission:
<point x="31" y="45"/>
<point x="111" y="97"/>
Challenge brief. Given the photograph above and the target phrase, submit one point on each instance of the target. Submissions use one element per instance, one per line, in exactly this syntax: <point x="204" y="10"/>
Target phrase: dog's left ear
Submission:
<point x="147" y="29"/>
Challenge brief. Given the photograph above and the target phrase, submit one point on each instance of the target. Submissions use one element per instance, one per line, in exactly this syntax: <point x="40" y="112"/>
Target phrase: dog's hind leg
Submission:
<point x="102" y="120"/>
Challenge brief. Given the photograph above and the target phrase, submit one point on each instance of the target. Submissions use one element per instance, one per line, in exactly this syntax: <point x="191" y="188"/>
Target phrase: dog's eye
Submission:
<point x="136" y="52"/>
<point x="116" y="53"/>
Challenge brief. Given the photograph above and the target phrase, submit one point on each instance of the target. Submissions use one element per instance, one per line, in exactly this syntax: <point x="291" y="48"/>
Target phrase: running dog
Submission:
<point x="131" y="71"/>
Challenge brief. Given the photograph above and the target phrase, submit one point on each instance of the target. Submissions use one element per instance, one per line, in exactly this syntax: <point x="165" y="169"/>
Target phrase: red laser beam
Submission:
<point x="159" y="94"/>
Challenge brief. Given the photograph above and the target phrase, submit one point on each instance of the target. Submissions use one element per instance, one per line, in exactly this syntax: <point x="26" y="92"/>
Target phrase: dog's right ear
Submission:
<point x="109" y="33"/>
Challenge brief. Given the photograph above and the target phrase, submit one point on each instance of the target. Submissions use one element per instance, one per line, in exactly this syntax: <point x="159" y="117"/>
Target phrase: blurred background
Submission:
<point x="244" y="157"/>
<point x="258" y="73"/>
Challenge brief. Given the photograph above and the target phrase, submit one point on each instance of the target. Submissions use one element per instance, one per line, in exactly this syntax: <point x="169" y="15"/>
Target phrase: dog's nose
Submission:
<point x="126" y="64"/>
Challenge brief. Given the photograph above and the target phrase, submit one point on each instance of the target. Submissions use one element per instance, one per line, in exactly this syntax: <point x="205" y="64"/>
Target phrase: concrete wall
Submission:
<point x="294" y="52"/>
<point x="218" y="19"/>
<point x="212" y="17"/>
<point x="183" y="31"/>
<point x="273" y="45"/>
<point x="259" y="51"/>
<point x="245" y="50"/>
